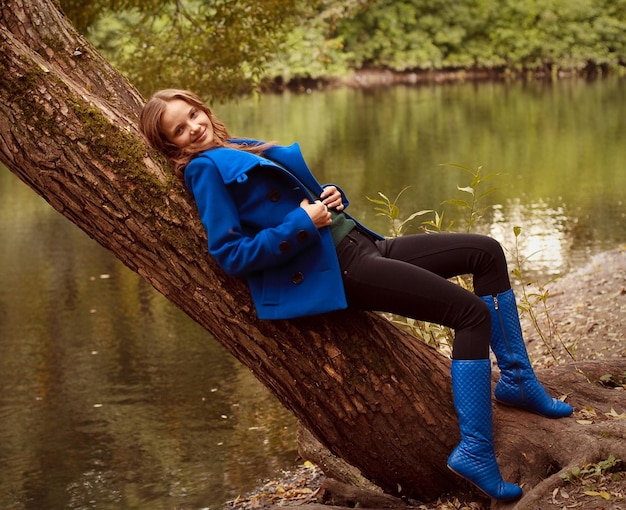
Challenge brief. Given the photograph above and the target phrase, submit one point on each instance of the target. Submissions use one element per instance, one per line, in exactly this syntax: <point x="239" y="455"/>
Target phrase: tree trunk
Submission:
<point x="534" y="451"/>
<point x="67" y="127"/>
<point x="372" y="394"/>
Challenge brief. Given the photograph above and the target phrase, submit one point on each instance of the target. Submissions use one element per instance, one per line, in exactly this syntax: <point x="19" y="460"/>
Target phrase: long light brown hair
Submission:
<point x="151" y="128"/>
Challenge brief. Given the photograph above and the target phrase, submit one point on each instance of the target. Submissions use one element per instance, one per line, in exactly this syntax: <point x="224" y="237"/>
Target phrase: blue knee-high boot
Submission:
<point x="518" y="386"/>
<point x="474" y="458"/>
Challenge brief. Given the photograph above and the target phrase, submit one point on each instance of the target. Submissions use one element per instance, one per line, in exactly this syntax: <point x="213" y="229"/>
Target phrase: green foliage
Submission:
<point x="385" y="207"/>
<point x="438" y="34"/>
<point x="471" y="206"/>
<point x="313" y="49"/>
<point x="611" y="381"/>
<point x="218" y="49"/>
<point x="592" y="471"/>
<point x="224" y="48"/>
<point x="84" y="13"/>
<point x="389" y="34"/>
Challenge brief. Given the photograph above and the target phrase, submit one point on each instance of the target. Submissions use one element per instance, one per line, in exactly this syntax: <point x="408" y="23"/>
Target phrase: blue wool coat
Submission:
<point x="250" y="208"/>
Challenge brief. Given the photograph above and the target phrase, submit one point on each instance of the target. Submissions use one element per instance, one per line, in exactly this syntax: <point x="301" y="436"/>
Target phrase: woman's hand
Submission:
<point x="331" y="198"/>
<point x="318" y="212"/>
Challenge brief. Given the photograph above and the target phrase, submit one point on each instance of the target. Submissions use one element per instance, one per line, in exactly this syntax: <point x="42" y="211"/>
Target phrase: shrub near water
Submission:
<point x="532" y="303"/>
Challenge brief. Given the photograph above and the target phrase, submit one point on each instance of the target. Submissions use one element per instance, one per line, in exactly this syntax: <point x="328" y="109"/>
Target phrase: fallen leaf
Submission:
<point x="614" y="414"/>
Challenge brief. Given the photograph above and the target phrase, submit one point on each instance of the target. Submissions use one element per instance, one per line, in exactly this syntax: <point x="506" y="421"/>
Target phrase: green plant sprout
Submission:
<point x="612" y="381"/>
<point x="474" y="212"/>
<point x="531" y="301"/>
<point x="592" y="471"/>
<point x="386" y="207"/>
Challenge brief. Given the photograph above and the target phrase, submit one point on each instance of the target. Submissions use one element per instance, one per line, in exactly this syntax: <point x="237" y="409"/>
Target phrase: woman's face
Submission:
<point x="186" y="126"/>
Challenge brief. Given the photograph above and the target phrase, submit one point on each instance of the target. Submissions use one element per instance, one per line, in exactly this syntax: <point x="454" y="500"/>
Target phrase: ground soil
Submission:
<point x="584" y="318"/>
<point x="586" y="310"/>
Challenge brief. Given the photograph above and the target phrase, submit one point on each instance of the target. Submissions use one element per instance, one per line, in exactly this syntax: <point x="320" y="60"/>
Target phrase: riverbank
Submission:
<point x="373" y="78"/>
<point x="586" y="309"/>
<point x="587" y="312"/>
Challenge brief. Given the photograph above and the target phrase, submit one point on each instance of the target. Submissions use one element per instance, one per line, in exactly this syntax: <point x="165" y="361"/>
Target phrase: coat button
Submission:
<point x="284" y="246"/>
<point x="297" y="278"/>
<point x="302" y="236"/>
<point x="274" y="195"/>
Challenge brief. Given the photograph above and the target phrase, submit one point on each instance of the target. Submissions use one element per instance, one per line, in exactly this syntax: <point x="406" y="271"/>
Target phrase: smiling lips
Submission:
<point x="200" y="137"/>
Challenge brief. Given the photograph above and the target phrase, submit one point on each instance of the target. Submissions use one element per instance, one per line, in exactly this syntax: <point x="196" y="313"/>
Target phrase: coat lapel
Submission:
<point x="291" y="158"/>
<point x="232" y="164"/>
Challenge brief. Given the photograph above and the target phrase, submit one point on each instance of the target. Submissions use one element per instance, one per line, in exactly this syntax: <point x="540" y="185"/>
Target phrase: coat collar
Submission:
<point x="233" y="164"/>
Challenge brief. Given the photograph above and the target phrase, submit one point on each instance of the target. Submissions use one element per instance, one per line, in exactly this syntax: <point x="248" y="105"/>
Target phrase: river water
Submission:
<point x="110" y="398"/>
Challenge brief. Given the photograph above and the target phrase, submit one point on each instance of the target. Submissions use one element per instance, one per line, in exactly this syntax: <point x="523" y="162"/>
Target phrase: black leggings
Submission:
<point x="408" y="276"/>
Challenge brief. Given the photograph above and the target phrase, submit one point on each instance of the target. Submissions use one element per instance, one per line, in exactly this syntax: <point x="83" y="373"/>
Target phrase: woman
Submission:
<point x="270" y="221"/>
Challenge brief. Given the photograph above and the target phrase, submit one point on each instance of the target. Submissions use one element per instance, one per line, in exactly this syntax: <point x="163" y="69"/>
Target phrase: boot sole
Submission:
<point x="482" y="490"/>
<point x="516" y="406"/>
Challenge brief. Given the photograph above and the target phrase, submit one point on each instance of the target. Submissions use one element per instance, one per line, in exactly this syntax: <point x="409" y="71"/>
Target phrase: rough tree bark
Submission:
<point x="371" y="393"/>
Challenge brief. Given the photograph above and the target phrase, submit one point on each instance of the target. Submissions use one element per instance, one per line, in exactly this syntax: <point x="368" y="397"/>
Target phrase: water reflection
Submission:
<point x="111" y="398"/>
<point x="542" y="246"/>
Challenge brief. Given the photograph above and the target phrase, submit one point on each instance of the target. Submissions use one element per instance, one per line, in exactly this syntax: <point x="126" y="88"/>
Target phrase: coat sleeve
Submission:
<point x="237" y="253"/>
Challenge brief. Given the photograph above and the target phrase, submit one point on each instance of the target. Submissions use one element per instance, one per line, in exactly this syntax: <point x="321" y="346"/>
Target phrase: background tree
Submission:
<point x="226" y="47"/>
<point x="372" y="394"/>
<point x="220" y="48"/>
<point x="153" y="44"/>
<point x="515" y="35"/>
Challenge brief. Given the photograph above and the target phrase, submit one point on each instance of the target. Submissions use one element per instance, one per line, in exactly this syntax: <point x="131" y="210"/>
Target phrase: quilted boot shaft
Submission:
<point x="474" y="458"/>
<point x="518" y="386"/>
